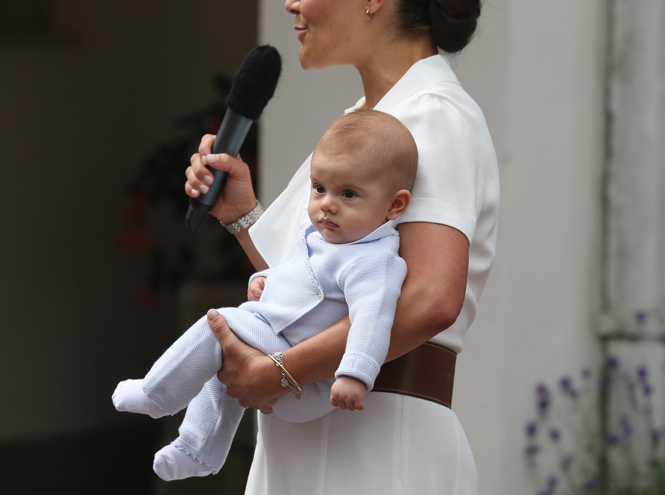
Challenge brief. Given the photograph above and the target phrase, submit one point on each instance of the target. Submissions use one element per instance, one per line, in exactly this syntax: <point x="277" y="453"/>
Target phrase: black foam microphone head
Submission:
<point x="255" y="82"/>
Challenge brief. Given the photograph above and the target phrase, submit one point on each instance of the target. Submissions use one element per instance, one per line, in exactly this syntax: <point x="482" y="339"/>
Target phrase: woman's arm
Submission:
<point x="431" y="299"/>
<point x="237" y="198"/>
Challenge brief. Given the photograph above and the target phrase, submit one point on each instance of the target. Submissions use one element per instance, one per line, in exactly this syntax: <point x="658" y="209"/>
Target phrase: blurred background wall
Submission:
<point x="81" y="106"/>
<point x="82" y="101"/>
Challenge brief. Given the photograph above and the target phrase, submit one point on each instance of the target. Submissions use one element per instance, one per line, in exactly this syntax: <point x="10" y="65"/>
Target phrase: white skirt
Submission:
<point x="397" y="445"/>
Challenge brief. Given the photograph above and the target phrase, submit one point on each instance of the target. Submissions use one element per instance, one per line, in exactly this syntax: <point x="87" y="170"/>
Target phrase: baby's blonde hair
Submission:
<point x="383" y="140"/>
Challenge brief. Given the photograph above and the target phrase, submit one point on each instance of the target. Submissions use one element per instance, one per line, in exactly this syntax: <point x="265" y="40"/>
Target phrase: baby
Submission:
<point x="346" y="262"/>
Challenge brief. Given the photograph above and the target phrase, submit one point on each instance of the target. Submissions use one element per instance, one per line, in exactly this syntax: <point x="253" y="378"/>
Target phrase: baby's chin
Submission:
<point x="337" y="237"/>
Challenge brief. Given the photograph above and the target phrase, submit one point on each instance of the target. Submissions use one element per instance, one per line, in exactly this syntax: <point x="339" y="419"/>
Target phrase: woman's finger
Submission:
<point x="190" y="191"/>
<point x="194" y="186"/>
<point x="205" y="146"/>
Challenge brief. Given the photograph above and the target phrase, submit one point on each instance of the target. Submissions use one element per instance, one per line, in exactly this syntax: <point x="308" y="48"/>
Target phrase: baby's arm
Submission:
<point x="348" y="393"/>
<point x="257" y="283"/>
<point x="371" y="284"/>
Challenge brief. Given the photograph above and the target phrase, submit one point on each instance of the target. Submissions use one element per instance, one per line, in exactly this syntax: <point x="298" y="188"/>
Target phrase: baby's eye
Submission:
<point x="319" y="189"/>
<point x="348" y="194"/>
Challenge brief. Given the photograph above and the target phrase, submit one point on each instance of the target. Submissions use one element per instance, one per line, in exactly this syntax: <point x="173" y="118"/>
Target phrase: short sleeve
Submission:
<point x="448" y="186"/>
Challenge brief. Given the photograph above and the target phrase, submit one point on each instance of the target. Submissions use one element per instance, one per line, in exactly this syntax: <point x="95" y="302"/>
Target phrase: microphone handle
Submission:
<point x="229" y="140"/>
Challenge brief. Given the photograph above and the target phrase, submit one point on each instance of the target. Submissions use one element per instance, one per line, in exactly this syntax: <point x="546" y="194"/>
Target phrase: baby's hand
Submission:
<point x="255" y="289"/>
<point x="348" y="393"/>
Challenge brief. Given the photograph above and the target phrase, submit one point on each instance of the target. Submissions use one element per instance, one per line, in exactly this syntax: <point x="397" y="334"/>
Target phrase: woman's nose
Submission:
<point x="292" y="6"/>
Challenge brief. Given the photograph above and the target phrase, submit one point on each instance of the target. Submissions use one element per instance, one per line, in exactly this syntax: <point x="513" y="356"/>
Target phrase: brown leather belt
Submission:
<point x="427" y="372"/>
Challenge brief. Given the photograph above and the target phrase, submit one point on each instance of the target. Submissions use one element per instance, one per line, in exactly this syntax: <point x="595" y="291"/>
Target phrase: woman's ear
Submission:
<point x="372" y="6"/>
<point x="399" y="202"/>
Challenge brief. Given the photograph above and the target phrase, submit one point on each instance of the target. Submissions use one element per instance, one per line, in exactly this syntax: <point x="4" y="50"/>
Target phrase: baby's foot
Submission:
<point x="171" y="463"/>
<point x="130" y="397"/>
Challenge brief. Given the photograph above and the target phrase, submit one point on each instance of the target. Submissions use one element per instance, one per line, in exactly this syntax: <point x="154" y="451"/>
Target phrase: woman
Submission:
<point x="399" y="443"/>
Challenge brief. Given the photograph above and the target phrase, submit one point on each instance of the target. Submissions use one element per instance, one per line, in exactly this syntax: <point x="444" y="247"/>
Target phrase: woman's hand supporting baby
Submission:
<point x="251" y="376"/>
<point x="348" y="393"/>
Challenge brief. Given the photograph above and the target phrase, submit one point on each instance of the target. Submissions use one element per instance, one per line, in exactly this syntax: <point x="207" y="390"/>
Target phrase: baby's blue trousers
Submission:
<point x="186" y="376"/>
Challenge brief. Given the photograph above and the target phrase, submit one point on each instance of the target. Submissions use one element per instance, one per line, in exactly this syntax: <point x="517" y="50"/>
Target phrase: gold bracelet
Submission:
<point x="287" y="379"/>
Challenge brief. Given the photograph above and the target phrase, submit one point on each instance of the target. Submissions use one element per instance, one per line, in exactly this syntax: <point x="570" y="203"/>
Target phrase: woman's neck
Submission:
<point x="387" y="66"/>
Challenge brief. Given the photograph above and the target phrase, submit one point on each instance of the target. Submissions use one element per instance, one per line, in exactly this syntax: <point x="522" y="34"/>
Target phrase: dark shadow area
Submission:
<point x="115" y="461"/>
<point x="105" y="462"/>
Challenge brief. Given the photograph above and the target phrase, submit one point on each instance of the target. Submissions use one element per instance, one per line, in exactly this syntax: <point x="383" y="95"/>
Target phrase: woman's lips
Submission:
<point x="301" y="32"/>
<point x="328" y="224"/>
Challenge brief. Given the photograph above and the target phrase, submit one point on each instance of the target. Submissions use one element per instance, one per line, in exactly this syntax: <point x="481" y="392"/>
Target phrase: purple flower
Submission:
<point x="552" y="481"/>
<point x="641" y="316"/>
<point x="555" y="434"/>
<point x="531" y="429"/>
<point x="543" y="398"/>
<point x="647" y="389"/>
<point x="626" y="426"/>
<point x="591" y="484"/>
<point x="531" y="449"/>
<point x="656" y="435"/>
<point x="566" y="461"/>
<point x="612" y="362"/>
<point x="612" y="438"/>
<point x="586" y="373"/>
<point x="643" y="373"/>
<point x="606" y="381"/>
<point x="566" y="383"/>
<point x="543" y="405"/>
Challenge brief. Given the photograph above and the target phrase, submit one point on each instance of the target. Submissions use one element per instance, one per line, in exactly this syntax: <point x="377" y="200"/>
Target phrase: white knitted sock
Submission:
<point x="130" y="397"/>
<point x="171" y="463"/>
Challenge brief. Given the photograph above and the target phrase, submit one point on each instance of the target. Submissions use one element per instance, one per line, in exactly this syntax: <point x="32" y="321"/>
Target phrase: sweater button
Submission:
<point x="319" y="294"/>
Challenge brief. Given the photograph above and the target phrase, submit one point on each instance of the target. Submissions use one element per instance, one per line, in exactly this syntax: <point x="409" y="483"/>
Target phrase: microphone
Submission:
<point x="253" y="86"/>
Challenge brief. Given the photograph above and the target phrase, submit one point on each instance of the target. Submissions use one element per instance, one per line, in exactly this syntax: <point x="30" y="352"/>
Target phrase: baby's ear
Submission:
<point x="399" y="202"/>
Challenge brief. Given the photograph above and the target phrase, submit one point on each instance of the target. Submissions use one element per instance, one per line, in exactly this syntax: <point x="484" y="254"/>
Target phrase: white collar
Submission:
<point x="424" y="73"/>
<point x="385" y="230"/>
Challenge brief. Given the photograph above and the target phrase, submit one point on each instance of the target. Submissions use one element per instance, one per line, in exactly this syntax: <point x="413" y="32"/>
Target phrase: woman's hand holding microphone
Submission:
<point x="237" y="198"/>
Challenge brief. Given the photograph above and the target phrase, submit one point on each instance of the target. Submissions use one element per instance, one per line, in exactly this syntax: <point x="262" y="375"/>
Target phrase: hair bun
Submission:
<point x="453" y="22"/>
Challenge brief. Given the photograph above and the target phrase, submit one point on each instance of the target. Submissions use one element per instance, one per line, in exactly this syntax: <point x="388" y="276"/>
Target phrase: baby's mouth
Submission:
<point x="328" y="224"/>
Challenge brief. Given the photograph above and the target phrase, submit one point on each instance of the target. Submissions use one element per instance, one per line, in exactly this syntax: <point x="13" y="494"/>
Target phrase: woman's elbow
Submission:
<point x="445" y="316"/>
<point x="439" y="315"/>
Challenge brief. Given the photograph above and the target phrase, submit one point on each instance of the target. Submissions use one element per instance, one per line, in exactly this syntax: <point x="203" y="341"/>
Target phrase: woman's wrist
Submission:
<point x="271" y="377"/>
<point x="318" y="357"/>
<point x="237" y="213"/>
<point x="244" y="221"/>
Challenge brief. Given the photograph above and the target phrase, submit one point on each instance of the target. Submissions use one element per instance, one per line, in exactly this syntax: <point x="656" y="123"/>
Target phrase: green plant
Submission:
<point x="159" y="184"/>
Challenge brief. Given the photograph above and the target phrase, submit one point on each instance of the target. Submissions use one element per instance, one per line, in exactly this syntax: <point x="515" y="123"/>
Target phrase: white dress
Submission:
<point x="398" y="444"/>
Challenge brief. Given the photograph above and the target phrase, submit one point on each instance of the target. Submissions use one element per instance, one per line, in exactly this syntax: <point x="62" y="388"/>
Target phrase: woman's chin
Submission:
<point x="310" y="62"/>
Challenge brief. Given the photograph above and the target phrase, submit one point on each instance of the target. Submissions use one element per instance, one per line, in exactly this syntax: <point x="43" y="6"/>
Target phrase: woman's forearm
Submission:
<point x="252" y="253"/>
<point x="431" y="299"/>
<point x="318" y="357"/>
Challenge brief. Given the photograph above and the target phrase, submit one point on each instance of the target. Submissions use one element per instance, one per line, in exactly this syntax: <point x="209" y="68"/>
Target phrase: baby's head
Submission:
<point x="363" y="169"/>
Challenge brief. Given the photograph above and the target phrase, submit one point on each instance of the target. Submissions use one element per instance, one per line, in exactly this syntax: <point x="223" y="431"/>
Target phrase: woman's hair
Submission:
<point x="450" y="22"/>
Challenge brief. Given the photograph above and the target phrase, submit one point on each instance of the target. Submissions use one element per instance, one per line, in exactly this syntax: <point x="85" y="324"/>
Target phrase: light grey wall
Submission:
<point x="76" y="119"/>
<point x="536" y="68"/>
<point x="637" y="165"/>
